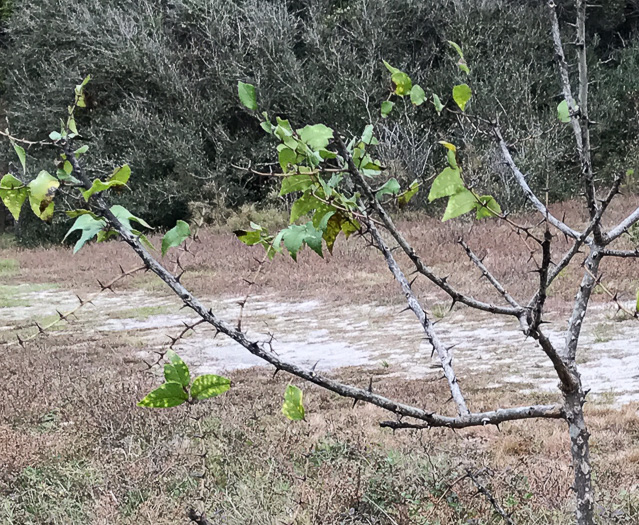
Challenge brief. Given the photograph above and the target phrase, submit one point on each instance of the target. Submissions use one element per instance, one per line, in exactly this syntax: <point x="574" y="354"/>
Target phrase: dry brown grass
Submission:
<point x="75" y="448"/>
<point x="354" y="273"/>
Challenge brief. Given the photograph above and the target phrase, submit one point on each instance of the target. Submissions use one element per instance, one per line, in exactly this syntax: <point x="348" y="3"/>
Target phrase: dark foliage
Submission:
<point x="164" y="99"/>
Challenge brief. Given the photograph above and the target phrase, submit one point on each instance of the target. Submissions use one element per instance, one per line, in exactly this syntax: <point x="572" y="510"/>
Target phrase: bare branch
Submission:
<point x="491" y="278"/>
<point x="521" y="180"/>
<point x="622" y="228"/>
<point x="483" y="490"/>
<point x="444" y="354"/>
<point x="621" y="253"/>
<point x="578" y="113"/>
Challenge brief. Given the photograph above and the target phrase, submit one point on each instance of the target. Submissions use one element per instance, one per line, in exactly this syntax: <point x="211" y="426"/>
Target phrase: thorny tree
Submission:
<point x="333" y="180"/>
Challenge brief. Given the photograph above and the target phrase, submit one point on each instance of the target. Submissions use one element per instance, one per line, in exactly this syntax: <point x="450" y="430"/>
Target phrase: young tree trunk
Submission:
<point x="580" y="450"/>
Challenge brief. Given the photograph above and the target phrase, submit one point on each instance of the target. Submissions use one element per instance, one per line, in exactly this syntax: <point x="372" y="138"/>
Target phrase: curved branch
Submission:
<point x="622" y="228"/>
<point x="521" y="180"/>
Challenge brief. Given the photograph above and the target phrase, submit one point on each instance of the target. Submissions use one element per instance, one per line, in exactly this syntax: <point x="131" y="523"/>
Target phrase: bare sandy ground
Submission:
<point x="488" y="351"/>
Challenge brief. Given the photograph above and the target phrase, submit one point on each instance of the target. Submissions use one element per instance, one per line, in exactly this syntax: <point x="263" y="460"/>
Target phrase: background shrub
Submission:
<point x="163" y="96"/>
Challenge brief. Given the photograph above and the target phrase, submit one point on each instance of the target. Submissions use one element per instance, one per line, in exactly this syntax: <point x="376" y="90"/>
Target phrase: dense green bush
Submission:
<point x="163" y="95"/>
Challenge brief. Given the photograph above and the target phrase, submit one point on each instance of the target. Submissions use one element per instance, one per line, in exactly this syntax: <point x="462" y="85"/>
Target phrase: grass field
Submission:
<point x="75" y="448"/>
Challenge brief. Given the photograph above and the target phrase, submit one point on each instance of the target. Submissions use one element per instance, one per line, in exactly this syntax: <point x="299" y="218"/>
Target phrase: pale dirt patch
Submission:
<point x="488" y="351"/>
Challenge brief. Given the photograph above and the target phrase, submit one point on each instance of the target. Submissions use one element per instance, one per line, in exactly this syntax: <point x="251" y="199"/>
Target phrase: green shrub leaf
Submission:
<point x="417" y="95"/>
<point x="89" y="226"/>
<point x="461" y="95"/>
<point x="296" y="183"/>
<point x="22" y="156"/>
<point x="247" y="95"/>
<point x="405" y="198"/>
<point x="176" y="370"/>
<point x="438" y="104"/>
<point x="563" y="112"/>
<point x="13" y="194"/>
<point x="391" y="187"/>
<point x="447" y="183"/>
<point x="460" y="203"/>
<point x="295" y="236"/>
<point x="41" y="193"/>
<point x="293" y="407"/>
<point x="209" y="385"/>
<point x="168" y="395"/>
<point x="403" y="83"/>
<point x="487" y="207"/>
<point x="175" y="236"/>
<point x="387" y="107"/>
<point x="317" y="136"/>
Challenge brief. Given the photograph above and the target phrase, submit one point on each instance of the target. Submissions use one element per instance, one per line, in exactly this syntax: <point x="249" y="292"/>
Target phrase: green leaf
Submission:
<point x="391" y="187"/>
<point x="387" y="107"/>
<point x="144" y="240"/>
<point x="367" y="136"/>
<point x="302" y="206"/>
<point x="317" y="136"/>
<point x="460" y="203"/>
<point x="81" y="151"/>
<point x="89" y="227"/>
<point x="286" y="156"/>
<point x="457" y="48"/>
<point x="176" y="370"/>
<point x="293" y="407"/>
<point x="167" y="395"/>
<point x="447" y="183"/>
<point x="121" y="174"/>
<point x="417" y="95"/>
<point x="125" y="216"/>
<point x="448" y="145"/>
<point x="13" y="194"/>
<point x="438" y="104"/>
<point x="119" y="177"/>
<point x="247" y="96"/>
<point x="461" y="64"/>
<point x="452" y="159"/>
<point x="175" y="236"/>
<point x="392" y="69"/>
<point x="295" y="236"/>
<point x="21" y="155"/>
<point x="54" y="135"/>
<point x="405" y="198"/>
<point x="41" y="193"/>
<point x="461" y="95"/>
<point x="487" y="207"/>
<point x="563" y="112"/>
<point x="209" y="385"/>
<point x="296" y="183"/>
<point x="403" y="83"/>
<point x="72" y="214"/>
